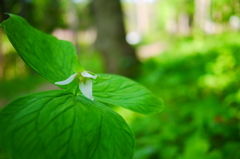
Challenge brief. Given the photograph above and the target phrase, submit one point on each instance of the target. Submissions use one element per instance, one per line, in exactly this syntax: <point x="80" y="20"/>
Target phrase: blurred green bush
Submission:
<point x="199" y="81"/>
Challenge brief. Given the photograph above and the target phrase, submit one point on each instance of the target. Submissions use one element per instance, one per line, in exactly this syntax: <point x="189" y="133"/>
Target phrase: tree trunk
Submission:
<point x="202" y="15"/>
<point x="119" y="56"/>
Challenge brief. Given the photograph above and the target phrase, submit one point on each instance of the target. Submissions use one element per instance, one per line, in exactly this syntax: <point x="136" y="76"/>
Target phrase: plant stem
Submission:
<point x="76" y="91"/>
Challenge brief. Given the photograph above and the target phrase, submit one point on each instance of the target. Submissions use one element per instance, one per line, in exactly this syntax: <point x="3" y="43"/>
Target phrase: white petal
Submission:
<point x="67" y="81"/>
<point x="86" y="89"/>
<point x="86" y="74"/>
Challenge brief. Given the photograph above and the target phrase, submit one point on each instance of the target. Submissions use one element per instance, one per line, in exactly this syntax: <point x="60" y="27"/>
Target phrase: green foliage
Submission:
<point x="12" y="88"/>
<point x="42" y="14"/>
<point x="56" y="124"/>
<point x="52" y="58"/>
<point x="224" y="9"/>
<point x="53" y="10"/>
<point x="64" y="124"/>
<point x="126" y="94"/>
<point x="199" y="81"/>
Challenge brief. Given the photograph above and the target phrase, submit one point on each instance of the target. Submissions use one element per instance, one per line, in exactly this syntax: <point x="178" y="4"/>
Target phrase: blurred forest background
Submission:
<point x="185" y="51"/>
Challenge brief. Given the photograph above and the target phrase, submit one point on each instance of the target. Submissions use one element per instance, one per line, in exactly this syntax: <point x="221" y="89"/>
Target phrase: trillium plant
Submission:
<point x="85" y="83"/>
<point x="74" y="122"/>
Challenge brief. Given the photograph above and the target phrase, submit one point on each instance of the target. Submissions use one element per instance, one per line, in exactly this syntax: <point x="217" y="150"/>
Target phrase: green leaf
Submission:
<point x="58" y="125"/>
<point x="52" y="58"/>
<point x="121" y="91"/>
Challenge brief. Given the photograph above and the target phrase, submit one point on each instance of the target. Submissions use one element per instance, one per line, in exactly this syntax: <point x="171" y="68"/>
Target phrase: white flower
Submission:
<point x="85" y="84"/>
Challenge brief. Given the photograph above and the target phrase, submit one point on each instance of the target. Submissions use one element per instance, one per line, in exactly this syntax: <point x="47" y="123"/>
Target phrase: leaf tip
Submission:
<point x="6" y="18"/>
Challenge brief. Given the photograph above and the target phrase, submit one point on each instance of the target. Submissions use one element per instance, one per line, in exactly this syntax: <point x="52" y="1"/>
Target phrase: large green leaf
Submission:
<point x="52" y="58"/>
<point x="121" y="91"/>
<point x="58" y="125"/>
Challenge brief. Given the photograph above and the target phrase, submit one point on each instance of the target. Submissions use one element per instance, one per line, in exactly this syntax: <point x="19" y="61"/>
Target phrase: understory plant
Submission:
<point x="75" y="122"/>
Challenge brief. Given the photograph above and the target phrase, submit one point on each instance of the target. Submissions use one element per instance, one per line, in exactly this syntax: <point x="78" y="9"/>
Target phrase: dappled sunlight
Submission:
<point x="220" y="72"/>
